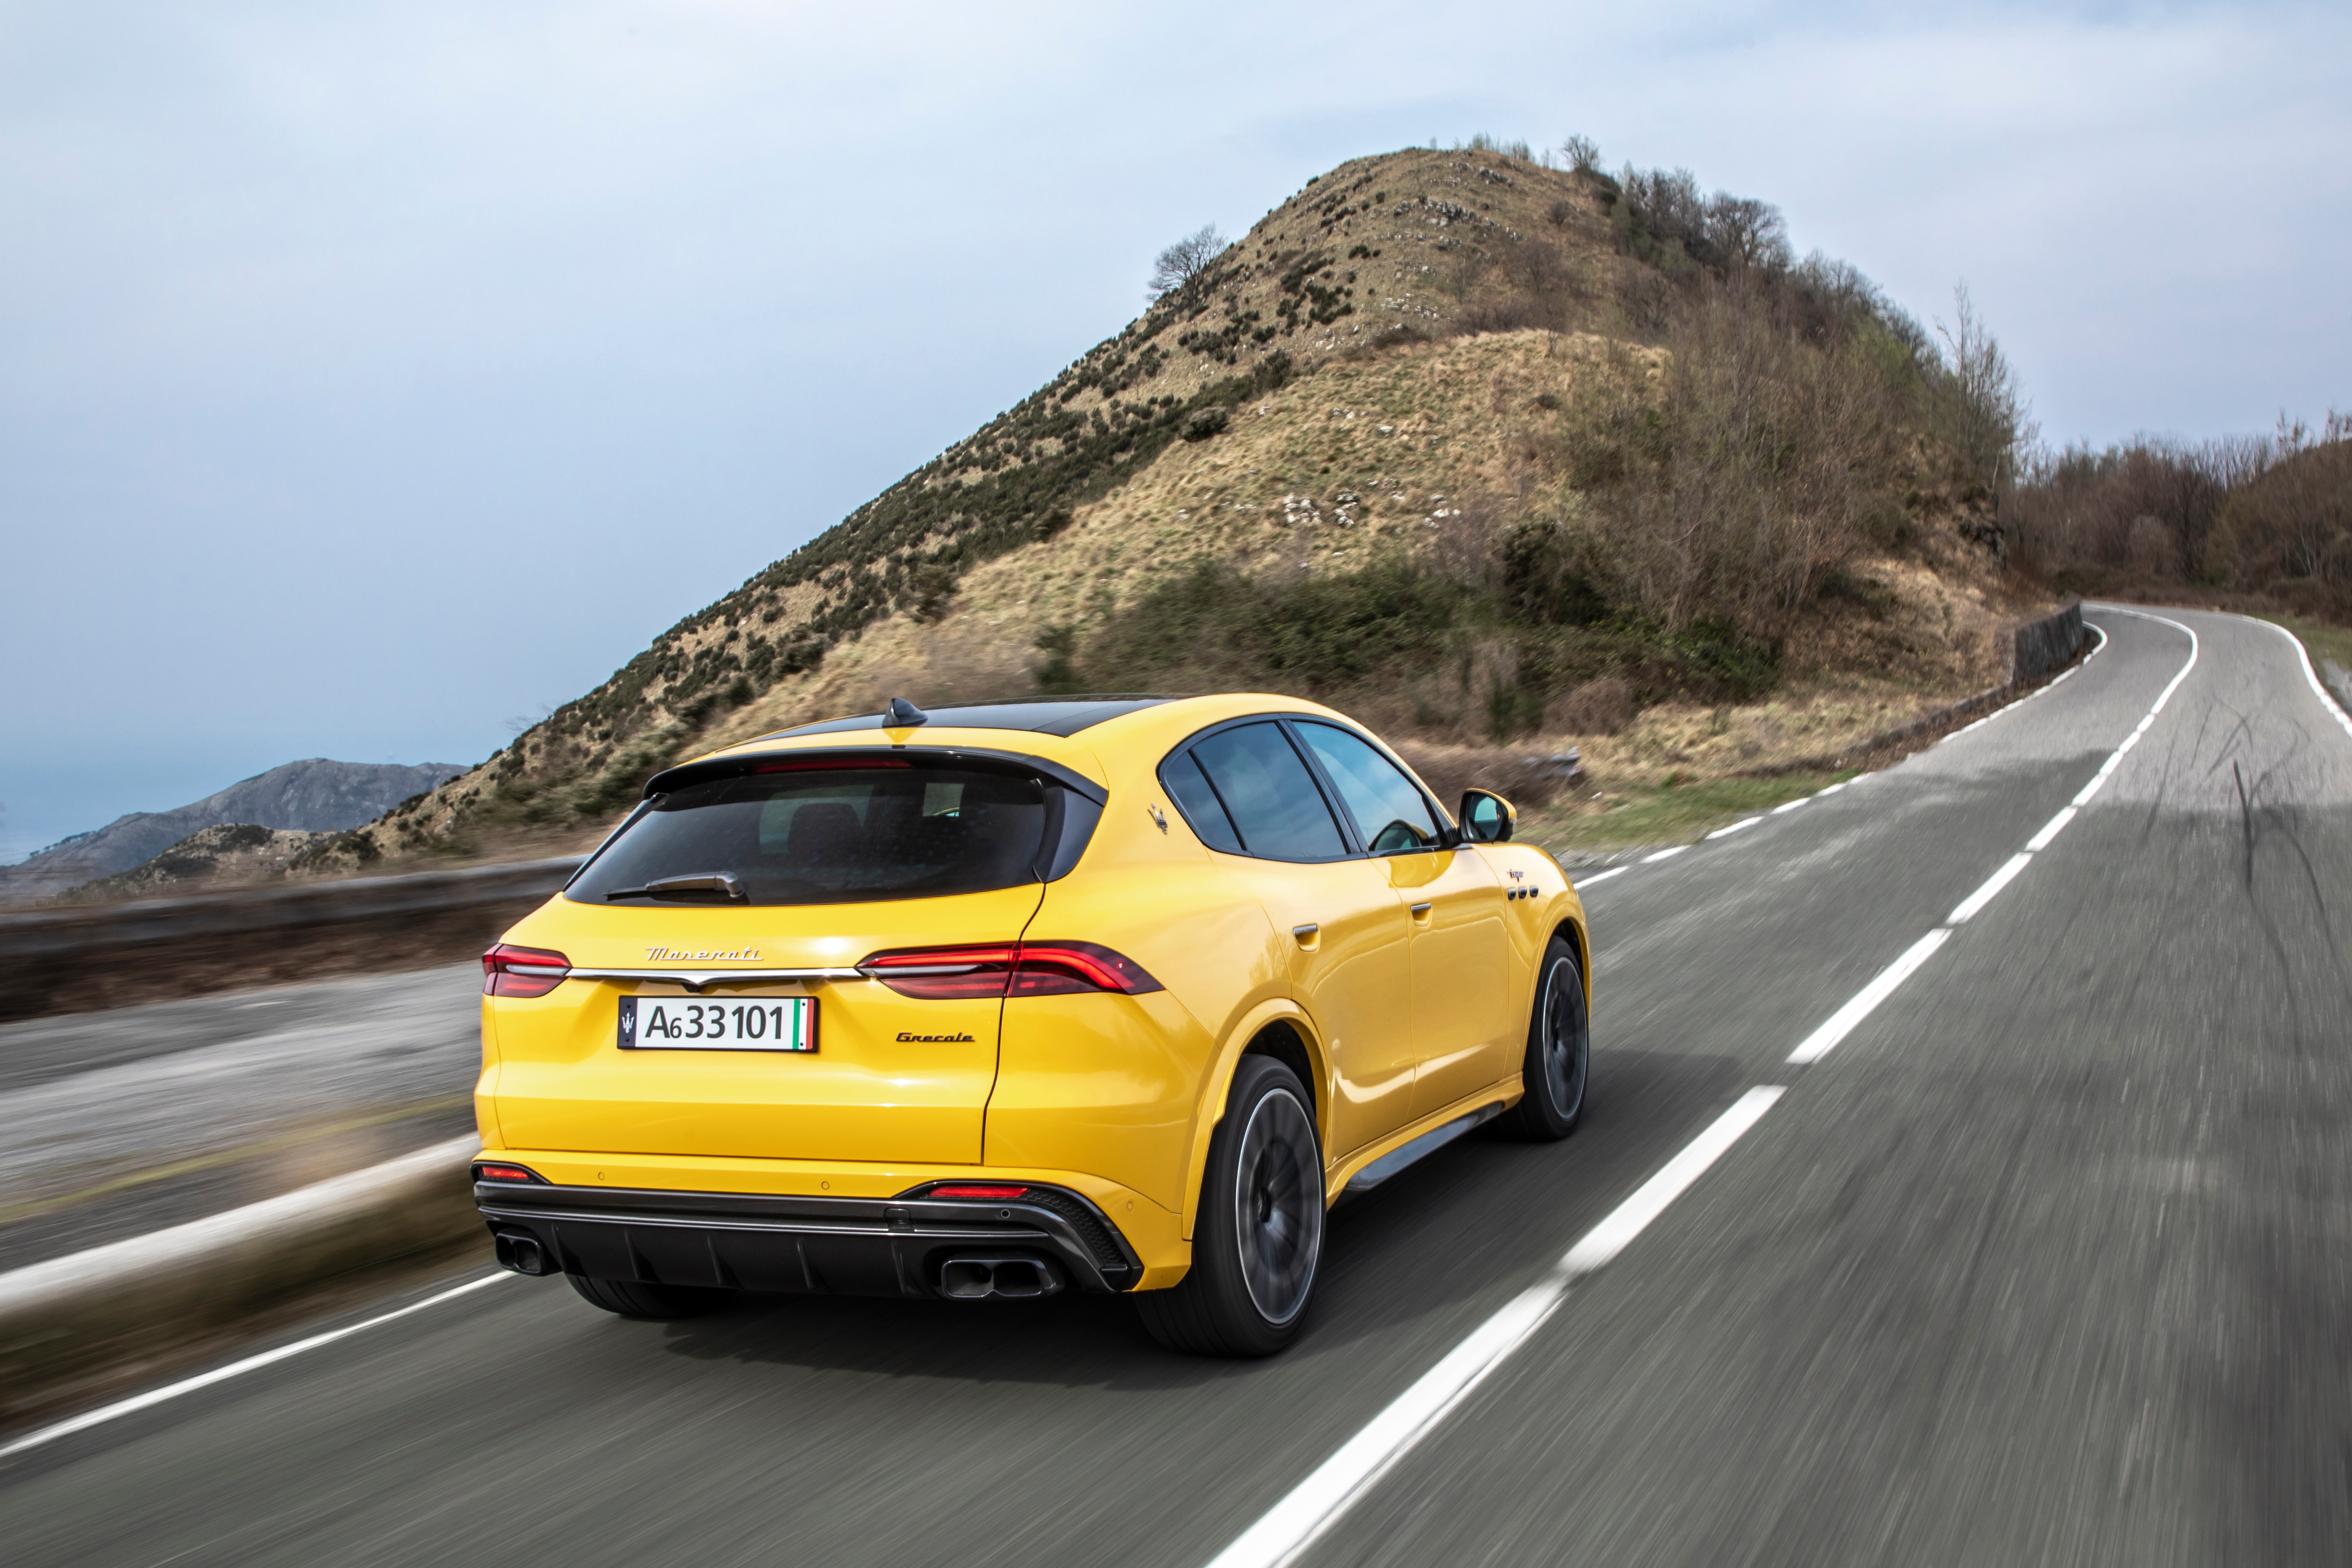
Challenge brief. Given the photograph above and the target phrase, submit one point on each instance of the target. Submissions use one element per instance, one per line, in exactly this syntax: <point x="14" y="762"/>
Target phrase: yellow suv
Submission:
<point x="1002" y="1000"/>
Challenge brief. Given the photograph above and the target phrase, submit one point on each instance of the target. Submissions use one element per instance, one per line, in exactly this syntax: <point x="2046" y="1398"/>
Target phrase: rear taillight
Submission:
<point x="944" y="974"/>
<point x="509" y="971"/>
<point x="1059" y="968"/>
<point x="1010" y="969"/>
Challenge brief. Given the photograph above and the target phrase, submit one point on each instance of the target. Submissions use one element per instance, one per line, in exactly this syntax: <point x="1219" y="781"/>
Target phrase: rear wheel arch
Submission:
<point x="1278" y="1030"/>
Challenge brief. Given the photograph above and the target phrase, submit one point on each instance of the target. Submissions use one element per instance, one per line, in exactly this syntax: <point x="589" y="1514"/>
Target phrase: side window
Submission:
<point x="1269" y="793"/>
<point x="1198" y="802"/>
<point x="1389" y="813"/>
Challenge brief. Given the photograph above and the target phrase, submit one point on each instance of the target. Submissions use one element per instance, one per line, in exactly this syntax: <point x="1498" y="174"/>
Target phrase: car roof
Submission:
<point x="1064" y="717"/>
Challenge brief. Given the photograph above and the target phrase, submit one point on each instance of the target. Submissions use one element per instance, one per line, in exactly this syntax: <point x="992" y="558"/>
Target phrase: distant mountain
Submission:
<point x="315" y="795"/>
<point x="234" y="853"/>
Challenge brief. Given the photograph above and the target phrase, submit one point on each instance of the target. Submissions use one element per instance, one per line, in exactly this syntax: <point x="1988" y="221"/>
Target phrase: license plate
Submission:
<point x="676" y="1023"/>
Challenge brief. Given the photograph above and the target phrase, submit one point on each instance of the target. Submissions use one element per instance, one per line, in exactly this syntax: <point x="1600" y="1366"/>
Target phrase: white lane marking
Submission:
<point x="154" y="1396"/>
<point x="2318" y="688"/>
<point x="1628" y="1219"/>
<point x="1841" y="1023"/>
<point x="1993" y="887"/>
<point x="1791" y="806"/>
<point x="1831" y="789"/>
<point x="1664" y="854"/>
<point x="1284" y="1532"/>
<point x="2166" y="696"/>
<point x="1722" y="832"/>
<point x="1604" y="876"/>
<point x="2055" y="825"/>
<point x="1287" y="1529"/>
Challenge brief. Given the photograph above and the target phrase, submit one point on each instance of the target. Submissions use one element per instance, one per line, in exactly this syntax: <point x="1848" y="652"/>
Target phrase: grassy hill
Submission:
<point x="1488" y="451"/>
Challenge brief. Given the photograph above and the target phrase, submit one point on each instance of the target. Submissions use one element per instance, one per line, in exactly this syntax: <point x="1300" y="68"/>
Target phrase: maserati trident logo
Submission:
<point x="671" y="953"/>
<point x="935" y="1039"/>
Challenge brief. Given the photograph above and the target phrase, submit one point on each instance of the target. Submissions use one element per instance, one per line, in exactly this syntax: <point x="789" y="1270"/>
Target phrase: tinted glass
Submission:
<point x="1389" y="813"/>
<point x="1269" y="793"/>
<point x="829" y="835"/>
<point x="1193" y="797"/>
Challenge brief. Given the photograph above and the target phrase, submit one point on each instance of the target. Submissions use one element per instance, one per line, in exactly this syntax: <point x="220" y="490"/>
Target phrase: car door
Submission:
<point x="1252" y="798"/>
<point x="1458" y="949"/>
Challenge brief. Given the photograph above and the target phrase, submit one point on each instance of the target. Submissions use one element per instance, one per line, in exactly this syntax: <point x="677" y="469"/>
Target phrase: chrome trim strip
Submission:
<point x="702" y="979"/>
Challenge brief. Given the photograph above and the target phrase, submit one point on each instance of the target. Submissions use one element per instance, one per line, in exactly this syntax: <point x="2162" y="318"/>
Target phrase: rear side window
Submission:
<point x="825" y="835"/>
<point x="1389" y="813"/>
<point x="1199" y="804"/>
<point x="1268" y="793"/>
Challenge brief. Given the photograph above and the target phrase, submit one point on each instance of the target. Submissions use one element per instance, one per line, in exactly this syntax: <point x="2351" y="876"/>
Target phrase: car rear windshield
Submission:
<point x="824" y="835"/>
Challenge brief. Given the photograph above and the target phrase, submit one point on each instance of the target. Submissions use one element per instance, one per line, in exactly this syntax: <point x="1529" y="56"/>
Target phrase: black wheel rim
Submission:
<point x="1564" y="1050"/>
<point x="1278" y="1206"/>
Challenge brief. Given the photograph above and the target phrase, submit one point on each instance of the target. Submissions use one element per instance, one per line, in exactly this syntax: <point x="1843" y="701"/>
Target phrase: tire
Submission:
<point x="1558" y="1066"/>
<point x="1259" y="1238"/>
<point x="657" y="1303"/>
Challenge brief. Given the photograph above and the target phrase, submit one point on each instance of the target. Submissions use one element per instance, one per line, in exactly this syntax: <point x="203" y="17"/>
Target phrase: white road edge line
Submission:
<point x="2318" y="686"/>
<point x="1287" y="1529"/>
<point x="2058" y="681"/>
<point x="154" y="1396"/>
<point x="1722" y="832"/>
<point x="1600" y="876"/>
<point x="1664" y="854"/>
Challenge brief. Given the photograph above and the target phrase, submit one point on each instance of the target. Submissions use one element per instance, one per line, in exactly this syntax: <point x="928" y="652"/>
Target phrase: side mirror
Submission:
<point x="1486" y="817"/>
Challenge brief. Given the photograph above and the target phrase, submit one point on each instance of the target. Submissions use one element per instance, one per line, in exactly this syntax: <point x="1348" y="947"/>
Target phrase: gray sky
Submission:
<point x="372" y="375"/>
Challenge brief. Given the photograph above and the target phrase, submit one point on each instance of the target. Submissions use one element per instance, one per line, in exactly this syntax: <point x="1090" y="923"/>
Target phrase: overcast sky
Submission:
<point x="372" y="375"/>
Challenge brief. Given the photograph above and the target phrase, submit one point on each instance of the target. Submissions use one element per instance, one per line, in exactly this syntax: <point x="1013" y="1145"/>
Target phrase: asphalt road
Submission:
<point x="2046" y="1262"/>
<point x="116" y="1123"/>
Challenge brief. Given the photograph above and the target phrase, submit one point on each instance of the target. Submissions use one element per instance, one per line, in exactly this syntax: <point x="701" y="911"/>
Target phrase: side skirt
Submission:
<point x="1428" y="1143"/>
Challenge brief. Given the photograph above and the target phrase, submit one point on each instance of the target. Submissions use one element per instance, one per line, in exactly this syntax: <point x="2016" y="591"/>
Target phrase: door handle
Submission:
<point x="1306" y="933"/>
<point x="1421" y="911"/>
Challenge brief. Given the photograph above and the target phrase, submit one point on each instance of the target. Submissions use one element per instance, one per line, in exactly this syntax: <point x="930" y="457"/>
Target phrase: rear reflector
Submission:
<point x="1006" y="969"/>
<point x="487" y="1171"/>
<point x="976" y="1190"/>
<point x="508" y="971"/>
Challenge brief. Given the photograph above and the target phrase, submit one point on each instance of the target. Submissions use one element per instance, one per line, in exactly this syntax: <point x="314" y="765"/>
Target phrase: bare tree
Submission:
<point x="1746" y="231"/>
<point x="1186" y="259"/>
<point x="1985" y="415"/>
<point x="1583" y="154"/>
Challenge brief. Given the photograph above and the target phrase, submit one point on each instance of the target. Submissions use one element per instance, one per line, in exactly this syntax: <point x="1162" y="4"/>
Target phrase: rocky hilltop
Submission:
<point x="314" y="796"/>
<point x="1485" y="449"/>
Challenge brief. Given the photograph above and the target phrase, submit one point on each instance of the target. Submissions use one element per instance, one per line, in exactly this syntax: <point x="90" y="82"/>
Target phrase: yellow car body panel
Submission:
<point x="865" y="1094"/>
<point x="1405" y="1020"/>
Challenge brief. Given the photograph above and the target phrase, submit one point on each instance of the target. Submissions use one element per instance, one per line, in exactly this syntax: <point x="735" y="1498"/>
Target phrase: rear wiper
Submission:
<point x="721" y="882"/>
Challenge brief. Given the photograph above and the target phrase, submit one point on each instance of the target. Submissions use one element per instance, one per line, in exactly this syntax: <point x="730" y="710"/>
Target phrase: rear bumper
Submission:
<point x="824" y="1246"/>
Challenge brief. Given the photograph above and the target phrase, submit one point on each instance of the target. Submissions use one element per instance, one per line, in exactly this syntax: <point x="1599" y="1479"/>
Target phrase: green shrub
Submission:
<point x="1203" y="423"/>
